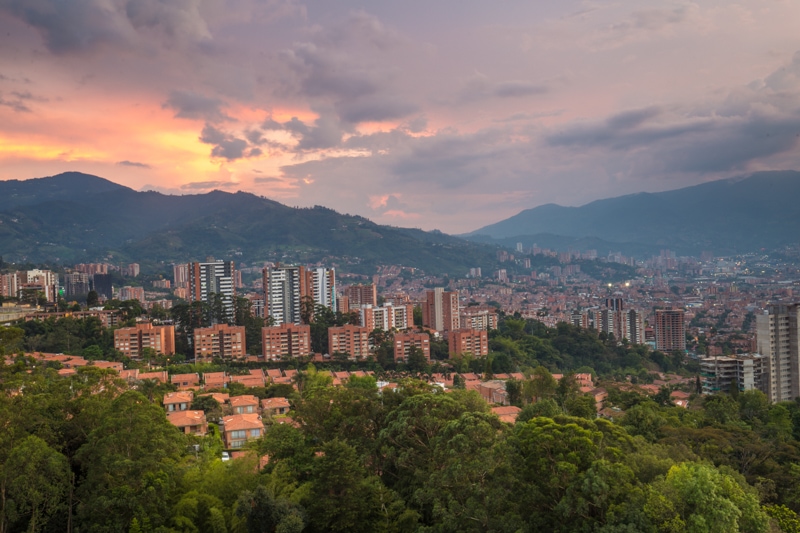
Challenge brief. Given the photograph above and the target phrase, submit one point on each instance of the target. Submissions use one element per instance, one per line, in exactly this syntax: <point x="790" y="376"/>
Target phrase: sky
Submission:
<point x="444" y="114"/>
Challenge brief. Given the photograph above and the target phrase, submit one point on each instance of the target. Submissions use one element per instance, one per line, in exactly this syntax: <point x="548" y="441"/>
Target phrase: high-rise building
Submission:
<point x="180" y="275"/>
<point x="404" y="342"/>
<point x="213" y="278"/>
<point x="745" y="370"/>
<point x="634" y="326"/>
<point x="76" y="284"/>
<point x="101" y="283"/>
<point x="131" y="293"/>
<point x="777" y="333"/>
<point x="131" y="341"/>
<point x="472" y="341"/>
<point x="388" y="317"/>
<point x="286" y="287"/>
<point x="670" y="330"/>
<point x="440" y="310"/>
<point x="39" y="281"/>
<point x="350" y="340"/>
<point x="286" y="340"/>
<point x="322" y="286"/>
<point x="359" y="295"/>
<point x="478" y="318"/>
<point x="220" y="340"/>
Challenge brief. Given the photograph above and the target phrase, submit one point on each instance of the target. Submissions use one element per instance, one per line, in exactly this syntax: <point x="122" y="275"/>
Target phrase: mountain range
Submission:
<point x="75" y="217"/>
<point x="736" y="215"/>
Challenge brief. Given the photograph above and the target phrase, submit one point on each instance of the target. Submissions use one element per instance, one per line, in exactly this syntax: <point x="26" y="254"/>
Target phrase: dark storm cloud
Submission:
<point x="226" y="145"/>
<point x="78" y="25"/>
<point x="345" y="69"/>
<point x="687" y="143"/>
<point x="326" y="132"/>
<point x="135" y="164"/>
<point x="192" y="105"/>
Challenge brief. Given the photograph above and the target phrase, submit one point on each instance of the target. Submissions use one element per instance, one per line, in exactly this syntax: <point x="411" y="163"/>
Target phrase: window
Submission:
<point x="240" y="434"/>
<point x="255" y="432"/>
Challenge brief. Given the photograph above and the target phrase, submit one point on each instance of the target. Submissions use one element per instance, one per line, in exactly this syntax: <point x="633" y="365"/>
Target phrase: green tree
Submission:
<point x="344" y="497"/>
<point x="263" y="513"/>
<point x="130" y="463"/>
<point x="416" y="362"/>
<point x="699" y="498"/>
<point x="38" y="481"/>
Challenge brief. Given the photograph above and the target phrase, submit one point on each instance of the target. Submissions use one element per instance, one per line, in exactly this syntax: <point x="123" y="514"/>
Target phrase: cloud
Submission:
<point x="135" y="164"/>
<point x="346" y="69"/>
<point x="203" y="185"/>
<point x="226" y="145"/>
<point x="480" y="87"/>
<point x="81" y="25"/>
<point x="326" y="132"/>
<point x="268" y="179"/>
<point x="16" y="105"/>
<point x="195" y="106"/>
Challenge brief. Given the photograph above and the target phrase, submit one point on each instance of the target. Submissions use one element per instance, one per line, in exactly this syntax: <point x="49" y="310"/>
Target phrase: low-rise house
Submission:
<point x="244" y="404"/>
<point x="162" y="376"/>
<point x="113" y="365"/>
<point x="274" y="373"/>
<point x="275" y="406"/>
<point x="507" y="413"/>
<point x="599" y="395"/>
<point x="221" y="397"/>
<point x="215" y="380"/>
<point x="185" y="381"/>
<point x="494" y="392"/>
<point x="238" y="429"/>
<point x="178" y="401"/>
<point x="190" y="422"/>
<point x="255" y="378"/>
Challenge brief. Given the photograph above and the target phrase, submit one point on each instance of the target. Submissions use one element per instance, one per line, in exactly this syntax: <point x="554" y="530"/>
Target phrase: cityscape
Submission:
<point x="301" y="266"/>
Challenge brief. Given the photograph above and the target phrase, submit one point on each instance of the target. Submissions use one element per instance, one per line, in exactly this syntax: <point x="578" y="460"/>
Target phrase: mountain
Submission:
<point x="76" y="217"/>
<point x="734" y="215"/>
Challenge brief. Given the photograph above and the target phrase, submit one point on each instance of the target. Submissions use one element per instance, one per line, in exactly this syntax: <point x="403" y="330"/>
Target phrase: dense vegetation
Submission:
<point x="84" y="453"/>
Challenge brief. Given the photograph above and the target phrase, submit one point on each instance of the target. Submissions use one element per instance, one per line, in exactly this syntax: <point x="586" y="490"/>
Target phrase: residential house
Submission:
<point x="244" y="404"/>
<point x="240" y="428"/>
<point x="186" y="381"/>
<point x="178" y="401"/>
<point x="190" y="422"/>
<point x="275" y="406"/>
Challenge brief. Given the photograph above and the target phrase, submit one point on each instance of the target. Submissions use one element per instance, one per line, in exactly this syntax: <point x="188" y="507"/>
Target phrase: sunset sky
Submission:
<point x="447" y="114"/>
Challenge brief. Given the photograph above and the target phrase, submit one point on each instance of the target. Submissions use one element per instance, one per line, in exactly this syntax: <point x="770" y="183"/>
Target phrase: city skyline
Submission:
<point x="380" y="110"/>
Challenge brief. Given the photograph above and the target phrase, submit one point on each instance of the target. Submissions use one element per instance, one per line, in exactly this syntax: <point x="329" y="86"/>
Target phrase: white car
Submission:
<point x="226" y="456"/>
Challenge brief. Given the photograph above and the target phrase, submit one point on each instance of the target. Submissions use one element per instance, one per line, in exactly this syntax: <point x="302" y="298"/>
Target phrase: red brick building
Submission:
<point x="403" y="342"/>
<point x="131" y="341"/>
<point x="219" y="340"/>
<point x="286" y="340"/>
<point x="349" y="339"/>
<point x="471" y="341"/>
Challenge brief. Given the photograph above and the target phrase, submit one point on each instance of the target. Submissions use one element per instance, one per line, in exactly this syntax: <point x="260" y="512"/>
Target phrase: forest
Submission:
<point x="92" y="453"/>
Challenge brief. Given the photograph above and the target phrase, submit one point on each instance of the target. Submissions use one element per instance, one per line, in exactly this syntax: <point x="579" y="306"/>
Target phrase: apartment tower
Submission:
<point x="670" y="330"/>
<point x="208" y="279"/>
<point x="777" y="340"/>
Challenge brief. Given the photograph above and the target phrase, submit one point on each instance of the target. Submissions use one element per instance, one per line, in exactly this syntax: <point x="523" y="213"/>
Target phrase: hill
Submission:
<point x="75" y="217"/>
<point x="726" y="216"/>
